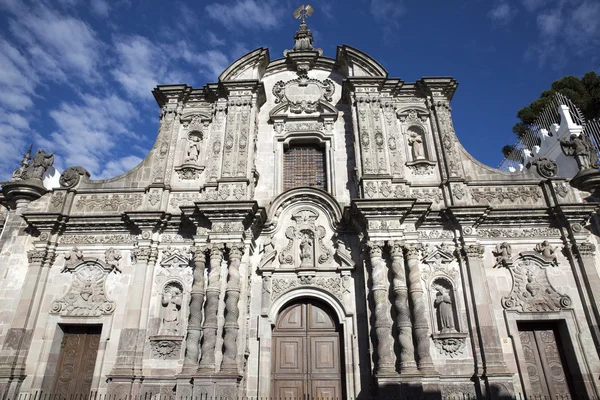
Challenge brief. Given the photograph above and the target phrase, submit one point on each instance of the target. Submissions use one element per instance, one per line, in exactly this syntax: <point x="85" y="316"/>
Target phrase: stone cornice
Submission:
<point x="147" y="220"/>
<point x="409" y="210"/>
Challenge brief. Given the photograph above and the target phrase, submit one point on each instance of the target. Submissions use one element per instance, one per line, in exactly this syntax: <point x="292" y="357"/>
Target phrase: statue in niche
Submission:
<point x="306" y="249"/>
<point x="445" y="309"/>
<point x="193" y="151"/>
<point x="415" y="140"/>
<point x="582" y="149"/>
<point x="172" y="297"/>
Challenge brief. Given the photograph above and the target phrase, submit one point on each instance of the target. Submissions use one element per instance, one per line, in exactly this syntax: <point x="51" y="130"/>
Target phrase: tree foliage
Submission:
<point x="584" y="92"/>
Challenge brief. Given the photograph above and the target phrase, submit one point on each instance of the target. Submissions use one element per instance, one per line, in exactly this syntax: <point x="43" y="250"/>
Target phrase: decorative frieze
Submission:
<point x="166" y="349"/>
<point x="97" y="239"/>
<point x="450" y="346"/>
<point x="435" y="234"/>
<point x="278" y="286"/>
<point x="108" y="202"/>
<point x="511" y="194"/>
<point x="184" y="199"/>
<point x="495" y="233"/>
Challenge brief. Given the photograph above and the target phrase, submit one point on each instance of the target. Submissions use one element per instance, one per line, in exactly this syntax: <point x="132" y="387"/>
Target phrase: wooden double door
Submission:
<point x="306" y="353"/>
<point x="77" y="361"/>
<point x="547" y="369"/>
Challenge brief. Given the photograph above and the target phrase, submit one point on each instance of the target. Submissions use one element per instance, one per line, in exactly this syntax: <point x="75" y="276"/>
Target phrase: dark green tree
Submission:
<point x="584" y="92"/>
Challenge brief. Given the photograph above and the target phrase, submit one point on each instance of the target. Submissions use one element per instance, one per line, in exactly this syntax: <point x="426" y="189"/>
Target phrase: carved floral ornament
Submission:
<point x="87" y="295"/>
<point x="303" y="95"/>
<point x="532" y="291"/>
<point x="305" y="246"/>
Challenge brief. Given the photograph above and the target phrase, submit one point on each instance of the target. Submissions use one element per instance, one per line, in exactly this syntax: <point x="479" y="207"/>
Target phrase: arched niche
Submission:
<point x="445" y="305"/>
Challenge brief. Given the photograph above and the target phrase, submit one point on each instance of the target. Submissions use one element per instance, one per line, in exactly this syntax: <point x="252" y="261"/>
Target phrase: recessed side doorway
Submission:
<point x="77" y="360"/>
<point x="306" y="358"/>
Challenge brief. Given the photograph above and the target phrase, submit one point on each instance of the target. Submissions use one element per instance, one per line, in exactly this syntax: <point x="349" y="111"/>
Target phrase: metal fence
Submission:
<point x="548" y="117"/>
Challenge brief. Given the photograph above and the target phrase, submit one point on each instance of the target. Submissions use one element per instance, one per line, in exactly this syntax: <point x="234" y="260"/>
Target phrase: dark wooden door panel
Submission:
<point x="77" y="360"/>
<point x="306" y="357"/>
<point x="544" y="363"/>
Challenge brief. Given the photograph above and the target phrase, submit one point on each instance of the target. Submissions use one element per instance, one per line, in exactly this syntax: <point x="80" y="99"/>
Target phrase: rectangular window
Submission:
<point x="304" y="165"/>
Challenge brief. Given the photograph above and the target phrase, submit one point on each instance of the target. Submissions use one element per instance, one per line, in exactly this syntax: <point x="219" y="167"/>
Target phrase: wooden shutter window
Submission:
<point x="304" y="165"/>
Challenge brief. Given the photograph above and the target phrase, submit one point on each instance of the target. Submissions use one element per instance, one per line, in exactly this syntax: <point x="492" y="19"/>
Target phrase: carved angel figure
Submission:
<point x="443" y="302"/>
<point x="416" y="141"/>
<point x="171" y="302"/>
<point x="74" y="256"/>
<point x="582" y="149"/>
<point x="546" y="250"/>
<point x="39" y="164"/>
<point x="503" y="253"/>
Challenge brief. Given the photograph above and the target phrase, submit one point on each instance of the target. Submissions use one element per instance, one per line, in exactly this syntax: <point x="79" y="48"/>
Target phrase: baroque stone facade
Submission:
<point x="434" y="269"/>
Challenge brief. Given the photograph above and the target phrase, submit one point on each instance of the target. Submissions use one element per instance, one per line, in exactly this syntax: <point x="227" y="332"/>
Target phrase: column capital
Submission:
<point x="236" y="250"/>
<point x="413" y="250"/>
<point x="396" y="248"/>
<point x="474" y="251"/>
<point x="375" y="248"/>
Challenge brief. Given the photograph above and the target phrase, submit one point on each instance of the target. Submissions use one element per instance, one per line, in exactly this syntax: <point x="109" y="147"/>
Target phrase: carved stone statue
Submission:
<point x="503" y="253"/>
<point x="306" y="249"/>
<point x="415" y="140"/>
<point x="582" y="149"/>
<point x="546" y="250"/>
<point x="170" y="323"/>
<point x="193" y="151"/>
<point x="39" y="164"/>
<point x="443" y="303"/>
<point x="19" y="173"/>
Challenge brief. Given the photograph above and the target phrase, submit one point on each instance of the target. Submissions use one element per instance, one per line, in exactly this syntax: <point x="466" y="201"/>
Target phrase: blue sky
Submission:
<point x="76" y="75"/>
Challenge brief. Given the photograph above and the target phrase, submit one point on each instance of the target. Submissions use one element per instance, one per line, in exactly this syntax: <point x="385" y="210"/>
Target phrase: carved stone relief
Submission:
<point x="303" y="95"/>
<point x="332" y="284"/>
<point x="87" y="296"/>
<point x="499" y="195"/>
<point x="531" y="291"/>
<point x="305" y="245"/>
<point x="108" y="202"/>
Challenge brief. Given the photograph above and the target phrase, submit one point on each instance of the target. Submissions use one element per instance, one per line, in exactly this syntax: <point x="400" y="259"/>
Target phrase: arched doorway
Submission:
<point x="307" y="356"/>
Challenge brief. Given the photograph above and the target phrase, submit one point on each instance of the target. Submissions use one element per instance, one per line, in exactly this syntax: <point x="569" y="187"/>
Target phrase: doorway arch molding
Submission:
<point x="310" y="293"/>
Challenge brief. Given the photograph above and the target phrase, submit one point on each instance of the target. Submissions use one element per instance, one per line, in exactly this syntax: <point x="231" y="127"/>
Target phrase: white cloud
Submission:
<point x="100" y="7"/>
<point x="502" y="13"/>
<point x="387" y="12"/>
<point x="117" y="167"/>
<point x="213" y="40"/>
<point x="58" y="45"/>
<point x="18" y="79"/>
<point x="88" y="132"/>
<point x="532" y="5"/>
<point x="550" y="23"/>
<point x="142" y="65"/>
<point x="245" y="13"/>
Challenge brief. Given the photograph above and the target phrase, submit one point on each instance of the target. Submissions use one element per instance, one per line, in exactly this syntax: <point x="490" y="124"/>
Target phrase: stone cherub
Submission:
<point x="582" y="149"/>
<point x="503" y="253"/>
<point x="546" y="250"/>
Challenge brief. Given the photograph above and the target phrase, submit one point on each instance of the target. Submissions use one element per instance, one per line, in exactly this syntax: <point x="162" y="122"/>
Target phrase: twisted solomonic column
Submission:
<point x="407" y="349"/>
<point x="421" y="327"/>
<point x="211" y="307"/>
<point x="232" y="312"/>
<point x="194" y="331"/>
<point x="383" y="320"/>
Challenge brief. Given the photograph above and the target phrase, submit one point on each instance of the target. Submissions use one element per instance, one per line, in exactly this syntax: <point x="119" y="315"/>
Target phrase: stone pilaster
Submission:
<point x="232" y="312"/>
<point x="487" y="331"/>
<point x="585" y="252"/>
<point x="383" y="321"/>
<point x="420" y="327"/>
<point x="194" y="331"/>
<point x="407" y="349"/>
<point x="211" y="307"/>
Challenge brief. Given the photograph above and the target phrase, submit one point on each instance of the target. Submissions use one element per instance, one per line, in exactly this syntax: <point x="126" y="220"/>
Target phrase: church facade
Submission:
<point x="306" y="226"/>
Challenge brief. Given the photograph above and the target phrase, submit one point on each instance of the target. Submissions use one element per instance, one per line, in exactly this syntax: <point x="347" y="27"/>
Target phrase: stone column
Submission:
<point x="383" y="320"/>
<point x="421" y="327"/>
<point x="194" y="331"/>
<point x="232" y="312"/>
<point x="211" y="308"/>
<point x="407" y="349"/>
<point x="483" y="311"/>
